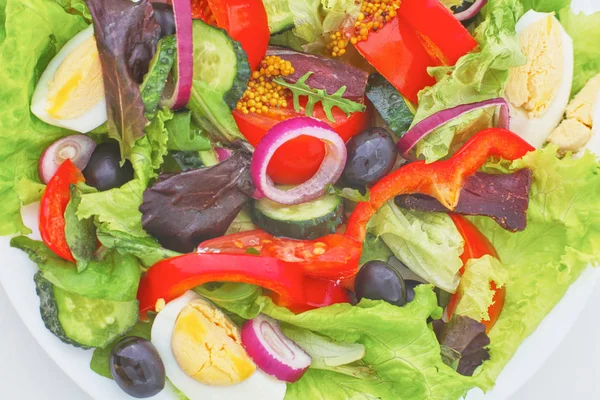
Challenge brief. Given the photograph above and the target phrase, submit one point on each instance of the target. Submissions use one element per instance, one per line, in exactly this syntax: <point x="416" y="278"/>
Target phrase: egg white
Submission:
<point x="92" y="118"/>
<point x="536" y="130"/>
<point x="594" y="144"/>
<point x="259" y="386"/>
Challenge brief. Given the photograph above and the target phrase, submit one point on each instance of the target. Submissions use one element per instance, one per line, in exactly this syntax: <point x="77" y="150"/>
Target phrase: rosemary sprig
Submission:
<point x="301" y="88"/>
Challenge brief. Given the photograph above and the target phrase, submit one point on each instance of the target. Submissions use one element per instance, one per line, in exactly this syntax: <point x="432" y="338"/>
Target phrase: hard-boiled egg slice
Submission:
<point x="258" y="386"/>
<point x="538" y="92"/>
<point x="594" y="144"/>
<point x="70" y="92"/>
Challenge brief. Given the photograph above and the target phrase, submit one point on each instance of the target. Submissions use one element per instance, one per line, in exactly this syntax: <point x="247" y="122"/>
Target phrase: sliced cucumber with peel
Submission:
<point x="310" y="220"/>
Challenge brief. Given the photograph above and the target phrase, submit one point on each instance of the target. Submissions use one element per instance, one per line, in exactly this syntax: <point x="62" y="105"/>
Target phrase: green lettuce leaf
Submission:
<point x="31" y="33"/>
<point x="185" y="135"/>
<point x="477" y="76"/>
<point x="238" y="298"/>
<point x="476" y="296"/>
<point x="585" y="32"/>
<point x="561" y="239"/>
<point x="374" y="248"/>
<point x="545" y="5"/>
<point x="420" y="240"/>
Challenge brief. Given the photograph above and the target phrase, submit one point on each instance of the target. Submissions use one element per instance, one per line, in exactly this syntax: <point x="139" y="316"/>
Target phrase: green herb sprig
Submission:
<point x="301" y="88"/>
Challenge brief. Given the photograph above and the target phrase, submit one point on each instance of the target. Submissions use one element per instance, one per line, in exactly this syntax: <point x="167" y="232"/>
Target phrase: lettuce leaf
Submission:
<point x="31" y="33"/>
<point x="420" y="240"/>
<point x="562" y="237"/>
<point x="585" y="32"/>
<point x="545" y="5"/>
<point x="476" y="76"/>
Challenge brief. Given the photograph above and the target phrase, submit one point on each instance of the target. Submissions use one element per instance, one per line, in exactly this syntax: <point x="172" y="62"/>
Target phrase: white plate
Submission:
<point x="16" y="276"/>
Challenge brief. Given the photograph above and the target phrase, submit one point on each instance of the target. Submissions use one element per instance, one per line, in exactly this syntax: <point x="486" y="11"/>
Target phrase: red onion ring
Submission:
<point x="471" y="11"/>
<point x="182" y="10"/>
<point x="77" y="148"/>
<point x="329" y="172"/>
<point x="418" y="132"/>
<point x="272" y="351"/>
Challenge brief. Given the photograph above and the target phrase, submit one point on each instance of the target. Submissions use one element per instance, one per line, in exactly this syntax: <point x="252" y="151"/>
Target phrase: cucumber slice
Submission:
<point x="220" y="62"/>
<point x="393" y="108"/>
<point x="156" y="79"/>
<point x="280" y="16"/>
<point x="309" y="220"/>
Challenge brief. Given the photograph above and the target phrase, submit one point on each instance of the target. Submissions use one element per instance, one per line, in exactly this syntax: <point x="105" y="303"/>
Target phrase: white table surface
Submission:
<point x="572" y="371"/>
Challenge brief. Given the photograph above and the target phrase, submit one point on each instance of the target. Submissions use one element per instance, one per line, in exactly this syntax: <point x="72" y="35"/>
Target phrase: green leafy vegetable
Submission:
<point x="420" y="240"/>
<point x="184" y="135"/>
<point x="300" y="88"/>
<point x="80" y="235"/>
<point x="113" y="278"/>
<point x="561" y="239"/>
<point x="239" y="298"/>
<point x="545" y="5"/>
<point x="243" y="222"/>
<point x="29" y="191"/>
<point x="374" y="248"/>
<point x="46" y="27"/>
<point x="354" y="195"/>
<point x="477" y="76"/>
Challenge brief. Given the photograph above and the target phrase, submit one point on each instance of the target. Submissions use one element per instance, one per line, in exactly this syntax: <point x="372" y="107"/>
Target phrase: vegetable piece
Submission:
<point x="330" y="257"/>
<point x="52" y="209"/>
<point x="291" y="288"/>
<point x="419" y="131"/>
<point x="329" y="171"/>
<point x="180" y="96"/>
<point x="183" y="209"/>
<point x="309" y="220"/>
<point x="377" y="280"/>
<point x="137" y="367"/>
<point x="371" y="155"/>
<point x="299" y="159"/>
<point x="220" y="62"/>
<point x="279" y="15"/>
<point x="164" y="14"/>
<point x="442" y="180"/>
<point x="327" y="74"/>
<point x="467" y="337"/>
<point x="410" y="289"/>
<point x="245" y="21"/>
<point x="502" y="197"/>
<point x="328" y="101"/>
<point x="390" y="104"/>
<point x="272" y="351"/>
<point x="470" y="11"/>
<point x="124" y="31"/>
<point x="154" y="83"/>
<point x="104" y="170"/>
<point x="77" y="148"/>
<point x="185" y="135"/>
<point x="80" y="235"/>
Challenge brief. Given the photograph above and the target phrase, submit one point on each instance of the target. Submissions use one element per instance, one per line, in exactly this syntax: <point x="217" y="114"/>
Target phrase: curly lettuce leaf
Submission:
<point x="561" y="239"/>
<point x="420" y="240"/>
<point x="477" y="76"/>
<point x="585" y="32"/>
<point x="31" y="33"/>
<point x="545" y="5"/>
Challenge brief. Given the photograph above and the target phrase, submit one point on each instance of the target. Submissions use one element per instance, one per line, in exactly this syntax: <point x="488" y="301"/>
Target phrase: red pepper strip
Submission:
<point x="442" y="179"/>
<point x="53" y="204"/>
<point x="444" y="36"/>
<point x="170" y="278"/>
<point x="329" y="257"/>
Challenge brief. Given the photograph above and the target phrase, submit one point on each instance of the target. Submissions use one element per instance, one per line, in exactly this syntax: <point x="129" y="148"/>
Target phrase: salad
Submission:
<point x="329" y="199"/>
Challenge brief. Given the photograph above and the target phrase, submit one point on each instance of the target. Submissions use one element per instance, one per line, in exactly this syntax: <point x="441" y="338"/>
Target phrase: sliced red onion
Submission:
<point x="223" y="154"/>
<point x="272" y="351"/>
<point x="471" y="11"/>
<point x="329" y="172"/>
<point x="182" y="10"/>
<point x="78" y="148"/>
<point x="418" y="132"/>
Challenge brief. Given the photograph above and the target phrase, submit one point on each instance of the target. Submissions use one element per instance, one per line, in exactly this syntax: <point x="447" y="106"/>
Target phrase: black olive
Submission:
<point x="104" y="171"/>
<point x="378" y="280"/>
<point x="163" y="13"/>
<point x="371" y="155"/>
<point x="137" y="367"/>
<point x="410" y="289"/>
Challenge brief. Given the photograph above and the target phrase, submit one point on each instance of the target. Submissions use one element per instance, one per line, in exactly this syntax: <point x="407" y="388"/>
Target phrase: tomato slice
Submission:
<point x="53" y="204"/>
<point x="477" y="246"/>
<point x="298" y="160"/>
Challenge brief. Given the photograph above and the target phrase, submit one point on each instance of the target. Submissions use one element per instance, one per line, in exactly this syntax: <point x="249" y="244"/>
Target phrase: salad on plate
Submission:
<point x="300" y="199"/>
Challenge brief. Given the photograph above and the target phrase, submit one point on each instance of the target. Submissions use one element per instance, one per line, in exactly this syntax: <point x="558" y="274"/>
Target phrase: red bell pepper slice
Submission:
<point x="477" y="246"/>
<point x="442" y="179"/>
<point x="170" y="278"/>
<point x="245" y="21"/>
<point x="53" y="204"/>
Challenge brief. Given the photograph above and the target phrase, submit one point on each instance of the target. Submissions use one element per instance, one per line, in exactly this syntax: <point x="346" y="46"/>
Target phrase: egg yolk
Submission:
<point x="208" y="347"/>
<point x="534" y="86"/>
<point x="77" y="85"/>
